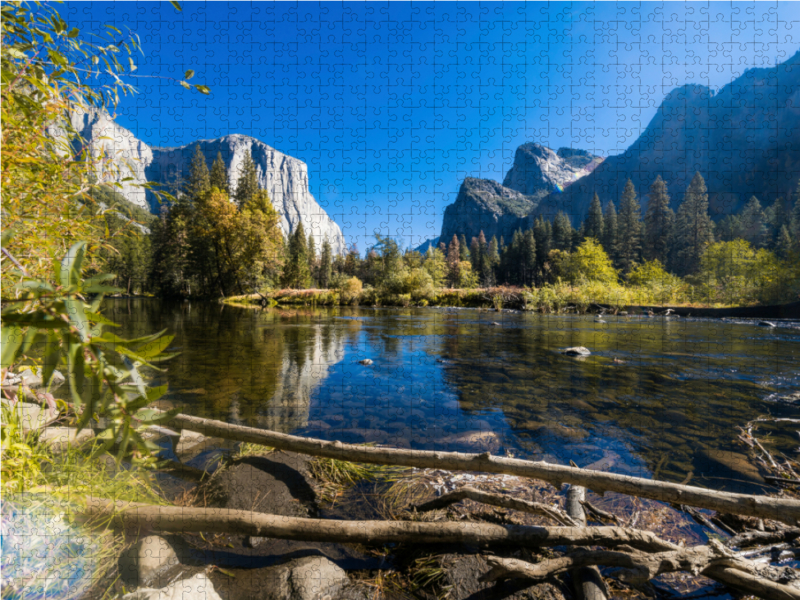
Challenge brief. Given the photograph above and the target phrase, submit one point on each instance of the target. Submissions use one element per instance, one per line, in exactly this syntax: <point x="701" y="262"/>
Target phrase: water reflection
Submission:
<point x="656" y="397"/>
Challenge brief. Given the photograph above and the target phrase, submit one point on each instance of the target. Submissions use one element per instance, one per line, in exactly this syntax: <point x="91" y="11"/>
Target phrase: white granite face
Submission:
<point x="283" y="177"/>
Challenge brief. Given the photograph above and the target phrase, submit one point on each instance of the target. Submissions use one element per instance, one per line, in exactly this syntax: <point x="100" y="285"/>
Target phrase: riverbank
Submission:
<point x="549" y="299"/>
<point x="207" y="480"/>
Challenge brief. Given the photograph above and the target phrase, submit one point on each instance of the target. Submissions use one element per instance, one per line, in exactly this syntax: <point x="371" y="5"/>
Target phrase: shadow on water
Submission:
<point x="657" y="397"/>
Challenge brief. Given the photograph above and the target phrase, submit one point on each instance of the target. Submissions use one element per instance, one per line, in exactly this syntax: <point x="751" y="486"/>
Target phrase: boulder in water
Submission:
<point x="577" y="351"/>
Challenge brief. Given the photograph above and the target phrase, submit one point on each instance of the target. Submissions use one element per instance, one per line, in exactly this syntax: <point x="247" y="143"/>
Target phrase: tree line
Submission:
<point x="214" y="242"/>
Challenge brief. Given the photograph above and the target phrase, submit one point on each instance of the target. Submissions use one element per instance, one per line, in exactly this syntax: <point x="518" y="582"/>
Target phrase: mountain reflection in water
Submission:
<point x="657" y="397"/>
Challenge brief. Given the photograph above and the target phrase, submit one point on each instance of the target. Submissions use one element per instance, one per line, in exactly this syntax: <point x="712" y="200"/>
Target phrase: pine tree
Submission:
<point x="453" y="261"/>
<point x="528" y="256"/>
<point x="312" y="257"/>
<point x="219" y="174"/>
<point x="247" y="183"/>
<point x="629" y="229"/>
<point x="694" y="229"/>
<point x="199" y="181"/>
<point x="659" y="223"/>
<point x="296" y="274"/>
<point x="463" y="248"/>
<point x="593" y="226"/>
<point x="795" y="223"/>
<point x="543" y="233"/>
<point x="562" y="232"/>
<point x="783" y="246"/>
<point x="326" y="264"/>
<point x="610" y="230"/>
<point x="754" y="228"/>
<point x="728" y="228"/>
<point x="492" y="261"/>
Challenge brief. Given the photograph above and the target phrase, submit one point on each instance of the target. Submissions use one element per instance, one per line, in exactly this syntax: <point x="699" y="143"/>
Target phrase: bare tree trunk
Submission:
<point x="779" y="509"/>
<point x="588" y="582"/>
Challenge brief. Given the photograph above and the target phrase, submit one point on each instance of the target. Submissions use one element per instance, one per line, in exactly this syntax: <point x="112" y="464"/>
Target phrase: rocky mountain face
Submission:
<point x="744" y="140"/>
<point x="498" y="210"/>
<point x="485" y="205"/>
<point x="285" y="178"/>
<point x="537" y="170"/>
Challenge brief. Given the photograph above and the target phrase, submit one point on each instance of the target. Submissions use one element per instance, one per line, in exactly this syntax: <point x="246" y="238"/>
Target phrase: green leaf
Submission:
<point x="135" y="376"/>
<point x="74" y="32"/>
<point x="12" y="339"/>
<point x="152" y="416"/>
<point x="76" y="371"/>
<point x="51" y="357"/>
<point x="176" y="5"/>
<point x="203" y="89"/>
<point x="100" y="319"/>
<point x="153" y="349"/>
<point x="189" y="74"/>
<point x="77" y="317"/>
<point x="186" y="85"/>
<point x="72" y="264"/>
<point x="132" y="64"/>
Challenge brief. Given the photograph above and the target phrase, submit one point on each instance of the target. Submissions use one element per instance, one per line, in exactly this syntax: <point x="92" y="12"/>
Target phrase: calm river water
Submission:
<point x="657" y="397"/>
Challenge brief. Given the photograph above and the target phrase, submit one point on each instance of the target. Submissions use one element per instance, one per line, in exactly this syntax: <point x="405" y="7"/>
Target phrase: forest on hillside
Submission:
<point x="216" y="242"/>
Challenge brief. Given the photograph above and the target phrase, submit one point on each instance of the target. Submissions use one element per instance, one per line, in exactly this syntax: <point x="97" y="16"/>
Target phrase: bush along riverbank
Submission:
<point x="556" y="298"/>
<point x="283" y="517"/>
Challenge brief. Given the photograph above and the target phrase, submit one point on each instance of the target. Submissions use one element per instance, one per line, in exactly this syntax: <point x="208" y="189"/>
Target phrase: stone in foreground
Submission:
<point x="61" y="438"/>
<point x="198" y="587"/>
<point x="577" y="351"/>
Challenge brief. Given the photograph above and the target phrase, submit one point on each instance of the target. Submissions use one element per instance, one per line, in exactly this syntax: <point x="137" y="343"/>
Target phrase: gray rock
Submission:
<point x="366" y="362"/>
<point x="766" y="324"/>
<point x="154" y="555"/>
<point x="32" y="416"/>
<point x="198" y="587"/>
<point x="537" y="169"/>
<point x="577" y="351"/>
<point x="188" y="440"/>
<point x="27" y="377"/>
<point x="485" y="205"/>
<point x="61" y="438"/>
<point x="308" y="578"/>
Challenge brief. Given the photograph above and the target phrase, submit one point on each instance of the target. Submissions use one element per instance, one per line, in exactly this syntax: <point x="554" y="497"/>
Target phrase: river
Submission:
<point x="657" y="397"/>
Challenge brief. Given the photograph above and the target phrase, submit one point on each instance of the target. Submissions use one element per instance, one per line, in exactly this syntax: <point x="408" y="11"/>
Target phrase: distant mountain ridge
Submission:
<point x="744" y="141"/>
<point x="285" y="178"/>
<point x="498" y="210"/>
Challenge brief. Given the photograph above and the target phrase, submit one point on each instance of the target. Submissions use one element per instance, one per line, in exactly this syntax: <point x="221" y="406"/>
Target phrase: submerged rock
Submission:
<point x="198" y="587"/>
<point x="577" y="351"/>
<point x="366" y="362"/>
<point x="766" y="324"/>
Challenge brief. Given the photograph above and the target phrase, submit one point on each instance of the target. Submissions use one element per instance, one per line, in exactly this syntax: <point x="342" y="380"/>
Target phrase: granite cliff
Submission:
<point x="285" y="178"/>
<point x="498" y="210"/>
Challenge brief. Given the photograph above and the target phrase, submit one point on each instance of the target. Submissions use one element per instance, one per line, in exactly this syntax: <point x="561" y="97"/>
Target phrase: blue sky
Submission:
<point x="391" y="105"/>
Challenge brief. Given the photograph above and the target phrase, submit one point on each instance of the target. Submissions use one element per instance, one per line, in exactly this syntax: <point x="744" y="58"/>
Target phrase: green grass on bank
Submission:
<point x="551" y="298"/>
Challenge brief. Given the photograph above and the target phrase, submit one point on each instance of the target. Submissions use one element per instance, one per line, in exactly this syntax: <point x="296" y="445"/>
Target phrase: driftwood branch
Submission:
<point x="636" y="567"/>
<point x="757" y="538"/>
<point x="133" y="516"/>
<point x="500" y="500"/>
<point x="779" y="509"/>
<point x="587" y="581"/>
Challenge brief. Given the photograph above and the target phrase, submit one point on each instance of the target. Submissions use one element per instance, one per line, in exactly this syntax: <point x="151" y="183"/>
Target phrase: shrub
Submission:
<point x="351" y="290"/>
<point x="589" y="262"/>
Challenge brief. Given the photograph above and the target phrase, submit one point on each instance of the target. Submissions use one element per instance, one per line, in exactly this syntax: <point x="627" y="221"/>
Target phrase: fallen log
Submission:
<point x="756" y="538"/>
<point x="778" y="509"/>
<point x="637" y="567"/>
<point x="132" y="516"/>
<point x="500" y="500"/>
